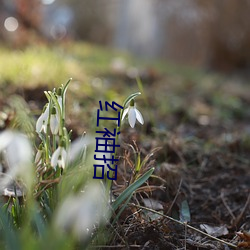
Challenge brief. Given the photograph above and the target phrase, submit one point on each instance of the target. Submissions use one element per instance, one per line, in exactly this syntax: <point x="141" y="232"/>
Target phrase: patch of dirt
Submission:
<point x="203" y="162"/>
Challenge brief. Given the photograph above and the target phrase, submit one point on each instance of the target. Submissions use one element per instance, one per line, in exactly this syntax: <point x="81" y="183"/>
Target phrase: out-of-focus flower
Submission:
<point x="133" y="114"/>
<point x="79" y="214"/>
<point x="59" y="157"/>
<point x="78" y="148"/>
<point x="54" y="121"/>
<point x="42" y="122"/>
<point x="17" y="152"/>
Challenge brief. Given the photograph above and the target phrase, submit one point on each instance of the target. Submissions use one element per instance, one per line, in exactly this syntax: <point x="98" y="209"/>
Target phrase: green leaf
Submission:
<point x="10" y="236"/>
<point x="65" y="87"/>
<point x="39" y="222"/>
<point x="138" y="163"/>
<point x="185" y="212"/>
<point x="132" y="96"/>
<point x="129" y="190"/>
<point x="122" y="209"/>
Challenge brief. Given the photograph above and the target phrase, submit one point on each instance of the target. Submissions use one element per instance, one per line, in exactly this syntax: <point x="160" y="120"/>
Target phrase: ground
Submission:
<point x="196" y="123"/>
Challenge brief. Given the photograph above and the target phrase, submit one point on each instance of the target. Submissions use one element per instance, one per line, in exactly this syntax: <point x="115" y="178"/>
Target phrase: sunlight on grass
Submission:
<point x="37" y="65"/>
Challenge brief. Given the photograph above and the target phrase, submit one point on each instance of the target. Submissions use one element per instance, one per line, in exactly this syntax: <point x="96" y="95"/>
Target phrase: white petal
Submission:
<point x="54" y="124"/>
<point x="44" y="127"/>
<point x="46" y="113"/>
<point x="61" y="163"/>
<point x="63" y="158"/>
<point x="132" y="117"/>
<point x="19" y="151"/>
<point x="19" y="158"/>
<point x="38" y="156"/>
<point x="39" y="123"/>
<point x="139" y="116"/>
<point x="55" y="156"/>
<point x="5" y="139"/>
<point x="124" y="113"/>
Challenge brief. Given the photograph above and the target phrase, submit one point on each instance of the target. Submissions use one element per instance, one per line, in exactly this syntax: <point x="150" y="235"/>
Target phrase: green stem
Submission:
<point x="54" y="142"/>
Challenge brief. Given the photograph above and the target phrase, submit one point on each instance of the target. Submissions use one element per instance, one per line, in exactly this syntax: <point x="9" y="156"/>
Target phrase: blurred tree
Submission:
<point x="92" y="20"/>
<point x="29" y="14"/>
<point x="211" y="33"/>
<point x="25" y="21"/>
<point x="229" y="34"/>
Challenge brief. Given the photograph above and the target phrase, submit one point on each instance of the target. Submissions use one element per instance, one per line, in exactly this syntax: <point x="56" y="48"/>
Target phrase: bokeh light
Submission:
<point x="11" y="24"/>
<point x="48" y="2"/>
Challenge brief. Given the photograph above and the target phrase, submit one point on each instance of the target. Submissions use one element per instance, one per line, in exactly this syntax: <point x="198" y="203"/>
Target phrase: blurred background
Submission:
<point x="211" y="34"/>
<point x="193" y="60"/>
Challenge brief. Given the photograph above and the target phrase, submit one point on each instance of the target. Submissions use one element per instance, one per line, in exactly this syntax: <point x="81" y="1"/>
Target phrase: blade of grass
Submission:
<point x="128" y="191"/>
<point x="11" y="239"/>
<point x="122" y="209"/>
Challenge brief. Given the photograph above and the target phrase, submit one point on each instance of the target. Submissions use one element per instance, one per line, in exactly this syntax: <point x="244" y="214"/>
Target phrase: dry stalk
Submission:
<point x="183" y="224"/>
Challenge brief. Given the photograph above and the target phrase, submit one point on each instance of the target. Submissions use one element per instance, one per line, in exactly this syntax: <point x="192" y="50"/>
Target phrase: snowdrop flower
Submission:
<point x="133" y="114"/>
<point x="17" y="152"/>
<point x="54" y="121"/>
<point x="59" y="157"/>
<point x="42" y="122"/>
<point x="79" y="214"/>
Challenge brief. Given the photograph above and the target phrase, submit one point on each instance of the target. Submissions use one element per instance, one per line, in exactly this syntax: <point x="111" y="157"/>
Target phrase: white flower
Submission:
<point x="133" y="114"/>
<point x="17" y="152"/>
<point x="79" y="214"/>
<point x="54" y="121"/>
<point x="42" y="122"/>
<point x="59" y="157"/>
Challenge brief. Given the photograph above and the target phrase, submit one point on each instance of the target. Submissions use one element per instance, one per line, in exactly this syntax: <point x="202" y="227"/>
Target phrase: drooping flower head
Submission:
<point x="42" y="122"/>
<point x="133" y="114"/>
<point x="54" y="121"/>
<point x="59" y="157"/>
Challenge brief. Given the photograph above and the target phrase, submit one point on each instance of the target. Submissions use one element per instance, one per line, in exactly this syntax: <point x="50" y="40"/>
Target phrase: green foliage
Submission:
<point x="132" y="188"/>
<point x="62" y="208"/>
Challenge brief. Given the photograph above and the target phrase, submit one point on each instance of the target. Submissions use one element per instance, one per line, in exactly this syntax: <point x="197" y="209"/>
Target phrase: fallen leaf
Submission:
<point x="215" y="231"/>
<point x="152" y="204"/>
<point x="245" y="236"/>
<point x="155" y="205"/>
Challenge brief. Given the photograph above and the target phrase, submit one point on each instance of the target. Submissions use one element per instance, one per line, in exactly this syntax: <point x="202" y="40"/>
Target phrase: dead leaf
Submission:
<point x="215" y="231"/>
<point x="152" y="204"/>
<point x="245" y="236"/>
<point x="155" y="205"/>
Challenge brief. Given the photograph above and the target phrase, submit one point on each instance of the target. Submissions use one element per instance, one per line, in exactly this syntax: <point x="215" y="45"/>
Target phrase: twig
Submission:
<point x="184" y="224"/>
<point x="185" y="242"/>
<point x="227" y="207"/>
<point x="175" y="198"/>
<point x="239" y="217"/>
<point x="117" y="246"/>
